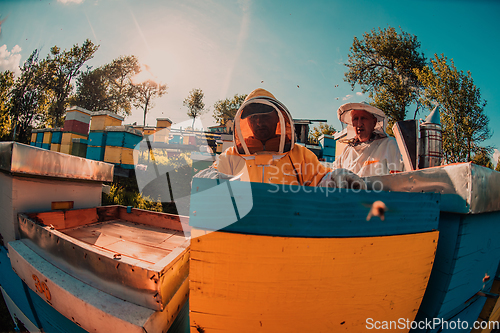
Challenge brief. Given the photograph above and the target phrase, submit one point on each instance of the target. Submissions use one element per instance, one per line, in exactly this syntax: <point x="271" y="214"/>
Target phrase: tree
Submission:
<point x="322" y="128"/>
<point x="194" y="103"/>
<point x="145" y="92"/>
<point x="92" y="90"/>
<point x="30" y="98"/>
<point x="121" y="91"/>
<point x="108" y="87"/>
<point x="383" y="65"/>
<point x="483" y="158"/>
<point x="464" y="123"/>
<point x="6" y="83"/>
<point x="226" y="109"/>
<point x="498" y="165"/>
<point x="62" y="68"/>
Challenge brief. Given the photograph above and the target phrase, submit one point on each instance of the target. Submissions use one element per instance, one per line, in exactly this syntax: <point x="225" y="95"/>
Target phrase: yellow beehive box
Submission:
<point x="67" y="141"/>
<point x="55" y="147"/>
<point x="161" y="135"/>
<point x="163" y="122"/>
<point x="65" y="148"/>
<point x="102" y="119"/>
<point x="113" y="154"/>
<point x="33" y="137"/>
<point x="47" y="137"/>
<point x="127" y="156"/>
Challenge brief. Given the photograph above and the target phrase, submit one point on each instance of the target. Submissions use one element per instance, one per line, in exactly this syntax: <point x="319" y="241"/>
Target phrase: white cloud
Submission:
<point x="16" y="49"/>
<point x="9" y="60"/>
<point x="346" y="97"/>
<point x="359" y="93"/>
<point x="67" y="1"/>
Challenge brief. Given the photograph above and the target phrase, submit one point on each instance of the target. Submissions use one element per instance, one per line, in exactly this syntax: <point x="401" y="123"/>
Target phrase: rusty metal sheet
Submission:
<point x="465" y="188"/>
<point x="18" y="158"/>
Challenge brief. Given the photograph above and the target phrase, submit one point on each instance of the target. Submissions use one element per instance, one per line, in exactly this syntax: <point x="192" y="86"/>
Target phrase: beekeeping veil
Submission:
<point x="262" y="101"/>
<point x="344" y="115"/>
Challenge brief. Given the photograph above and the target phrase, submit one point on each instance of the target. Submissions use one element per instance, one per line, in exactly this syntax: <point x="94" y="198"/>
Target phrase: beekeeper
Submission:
<point x="369" y="151"/>
<point x="264" y="146"/>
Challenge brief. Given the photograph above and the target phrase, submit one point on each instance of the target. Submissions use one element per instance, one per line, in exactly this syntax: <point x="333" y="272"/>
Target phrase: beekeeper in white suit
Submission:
<point x="369" y="151"/>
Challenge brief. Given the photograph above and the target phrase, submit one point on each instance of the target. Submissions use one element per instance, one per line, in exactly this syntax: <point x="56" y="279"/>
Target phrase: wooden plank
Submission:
<point x="139" y="233"/>
<point x="477" y="254"/>
<point x="56" y="219"/>
<point x="336" y="213"/>
<point x="162" y="220"/>
<point x="108" y="213"/>
<point x="134" y="250"/>
<point x="134" y="240"/>
<point x="248" y="283"/>
<point x="78" y="217"/>
<point x="173" y="241"/>
<point x="61" y="220"/>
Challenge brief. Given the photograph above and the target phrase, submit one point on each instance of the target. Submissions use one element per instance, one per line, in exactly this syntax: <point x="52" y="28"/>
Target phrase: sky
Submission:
<point x="297" y="50"/>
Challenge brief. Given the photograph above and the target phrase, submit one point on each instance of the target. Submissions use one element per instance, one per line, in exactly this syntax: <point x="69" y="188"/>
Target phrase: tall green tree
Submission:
<point x="92" y="90"/>
<point x="121" y="91"/>
<point x="483" y="158"/>
<point x="108" y="87"/>
<point x="144" y="94"/>
<point x="194" y="103"/>
<point x="30" y="99"/>
<point x="322" y="128"/>
<point x="226" y="109"/>
<point x="382" y="63"/>
<point x="6" y="84"/>
<point x="62" y="68"/>
<point x="465" y="125"/>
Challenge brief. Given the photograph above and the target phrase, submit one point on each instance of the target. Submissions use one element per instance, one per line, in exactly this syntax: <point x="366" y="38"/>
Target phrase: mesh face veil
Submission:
<point x="283" y="138"/>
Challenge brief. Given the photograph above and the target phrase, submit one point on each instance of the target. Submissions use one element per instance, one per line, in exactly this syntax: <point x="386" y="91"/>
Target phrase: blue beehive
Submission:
<point x="122" y="136"/>
<point x="39" y="139"/>
<point x="56" y="136"/>
<point x="95" y="153"/>
<point x="97" y="139"/>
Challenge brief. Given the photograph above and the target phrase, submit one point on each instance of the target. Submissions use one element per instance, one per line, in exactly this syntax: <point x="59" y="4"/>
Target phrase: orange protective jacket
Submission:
<point x="279" y="160"/>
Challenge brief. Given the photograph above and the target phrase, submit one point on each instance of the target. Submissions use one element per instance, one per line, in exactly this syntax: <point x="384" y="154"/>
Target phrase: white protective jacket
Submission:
<point x="376" y="157"/>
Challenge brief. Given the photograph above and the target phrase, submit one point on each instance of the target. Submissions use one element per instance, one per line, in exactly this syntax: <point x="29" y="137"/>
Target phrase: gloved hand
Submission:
<point x="343" y="178"/>
<point x="212" y="173"/>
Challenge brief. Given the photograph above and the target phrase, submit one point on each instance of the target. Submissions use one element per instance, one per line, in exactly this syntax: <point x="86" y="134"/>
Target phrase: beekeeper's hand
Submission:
<point x="342" y="178"/>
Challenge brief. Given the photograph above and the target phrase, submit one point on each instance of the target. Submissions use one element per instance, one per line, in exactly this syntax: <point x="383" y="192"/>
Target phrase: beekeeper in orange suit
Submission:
<point x="264" y="150"/>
